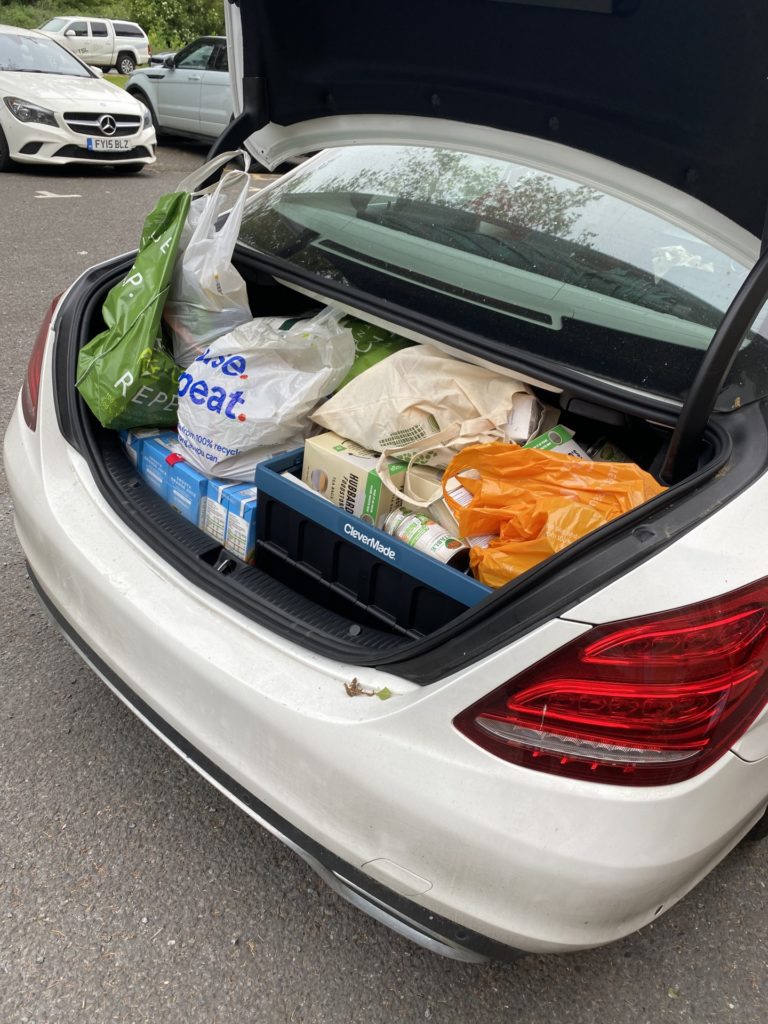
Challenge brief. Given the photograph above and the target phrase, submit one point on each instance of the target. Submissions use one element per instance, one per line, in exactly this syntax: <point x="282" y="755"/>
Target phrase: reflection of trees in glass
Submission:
<point x="438" y="176"/>
<point x="535" y="202"/>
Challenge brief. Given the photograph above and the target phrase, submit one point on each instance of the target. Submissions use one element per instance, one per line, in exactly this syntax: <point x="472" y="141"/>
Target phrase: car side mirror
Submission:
<point x="70" y="33"/>
<point x="168" y="63"/>
<point x="97" y="71"/>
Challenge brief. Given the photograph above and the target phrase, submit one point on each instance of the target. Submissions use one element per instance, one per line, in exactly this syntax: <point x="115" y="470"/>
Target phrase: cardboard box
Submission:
<point x="133" y="441"/>
<point x="239" y="503"/>
<point x="153" y="466"/>
<point x="528" y="418"/>
<point x="214" y="514"/>
<point x="158" y="458"/>
<point x="186" y="489"/>
<point x="345" y="474"/>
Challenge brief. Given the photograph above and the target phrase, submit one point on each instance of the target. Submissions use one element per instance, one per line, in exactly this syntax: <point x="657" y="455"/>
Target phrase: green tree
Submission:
<point x="174" y="23"/>
<point x="169" y="23"/>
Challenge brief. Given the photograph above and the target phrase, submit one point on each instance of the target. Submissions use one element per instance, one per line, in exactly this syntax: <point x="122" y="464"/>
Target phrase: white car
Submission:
<point x="560" y="763"/>
<point x="190" y="93"/>
<point x="122" y="45"/>
<point x="56" y="110"/>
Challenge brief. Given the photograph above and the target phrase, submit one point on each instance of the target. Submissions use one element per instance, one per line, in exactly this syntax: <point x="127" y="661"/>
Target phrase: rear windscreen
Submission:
<point x="542" y="264"/>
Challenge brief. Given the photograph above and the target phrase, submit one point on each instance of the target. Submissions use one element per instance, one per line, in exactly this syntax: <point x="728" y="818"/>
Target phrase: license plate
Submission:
<point x="109" y="144"/>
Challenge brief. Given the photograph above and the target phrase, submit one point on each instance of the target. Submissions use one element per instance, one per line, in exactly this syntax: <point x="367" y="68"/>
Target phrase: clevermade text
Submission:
<point x="370" y="542"/>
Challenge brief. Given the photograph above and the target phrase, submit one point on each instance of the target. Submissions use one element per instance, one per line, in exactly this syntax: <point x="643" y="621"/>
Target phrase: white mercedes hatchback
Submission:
<point x="573" y="191"/>
<point x="54" y="109"/>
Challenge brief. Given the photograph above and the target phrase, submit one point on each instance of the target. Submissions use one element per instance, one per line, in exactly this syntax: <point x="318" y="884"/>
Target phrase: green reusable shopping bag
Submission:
<point x="125" y="374"/>
<point x="372" y="344"/>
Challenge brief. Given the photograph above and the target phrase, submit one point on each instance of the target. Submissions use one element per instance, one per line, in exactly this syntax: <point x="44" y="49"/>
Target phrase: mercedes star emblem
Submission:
<point x="108" y="124"/>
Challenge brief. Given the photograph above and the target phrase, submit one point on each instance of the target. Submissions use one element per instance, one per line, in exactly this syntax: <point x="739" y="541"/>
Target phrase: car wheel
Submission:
<point x="5" y="156"/>
<point x="144" y="100"/>
<point x="125" y="64"/>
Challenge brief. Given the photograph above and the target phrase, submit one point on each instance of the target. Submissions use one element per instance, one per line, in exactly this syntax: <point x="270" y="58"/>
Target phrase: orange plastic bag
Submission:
<point x="536" y="503"/>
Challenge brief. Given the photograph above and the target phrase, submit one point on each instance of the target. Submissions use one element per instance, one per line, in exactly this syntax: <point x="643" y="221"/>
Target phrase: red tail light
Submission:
<point x="642" y="702"/>
<point x="30" y="391"/>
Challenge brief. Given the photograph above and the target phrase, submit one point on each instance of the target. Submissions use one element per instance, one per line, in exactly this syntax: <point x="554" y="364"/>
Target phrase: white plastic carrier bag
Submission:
<point x="250" y="393"/>
<point x="208" y="297"/>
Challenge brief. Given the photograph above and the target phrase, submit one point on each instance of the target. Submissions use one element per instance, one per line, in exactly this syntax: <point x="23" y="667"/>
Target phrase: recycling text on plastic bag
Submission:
<point x="250" y="393"/>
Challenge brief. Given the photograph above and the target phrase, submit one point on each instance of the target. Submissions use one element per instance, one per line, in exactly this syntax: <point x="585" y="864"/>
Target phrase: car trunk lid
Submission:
<point x="676" y="91"/>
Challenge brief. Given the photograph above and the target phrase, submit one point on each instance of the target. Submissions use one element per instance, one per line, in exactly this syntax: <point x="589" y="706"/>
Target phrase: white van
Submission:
<point x="102" y="43"/>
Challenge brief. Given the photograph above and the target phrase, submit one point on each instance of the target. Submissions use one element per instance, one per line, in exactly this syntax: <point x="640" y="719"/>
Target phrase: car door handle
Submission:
<point x="194" y="78"/>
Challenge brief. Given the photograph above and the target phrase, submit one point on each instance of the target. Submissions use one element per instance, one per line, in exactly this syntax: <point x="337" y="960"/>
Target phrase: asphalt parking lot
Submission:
<point x="132" y="892"/>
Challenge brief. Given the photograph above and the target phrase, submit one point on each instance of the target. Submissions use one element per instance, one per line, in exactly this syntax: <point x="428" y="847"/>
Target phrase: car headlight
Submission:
<point x="147" y="119"/>
<point x="30" y="113"/>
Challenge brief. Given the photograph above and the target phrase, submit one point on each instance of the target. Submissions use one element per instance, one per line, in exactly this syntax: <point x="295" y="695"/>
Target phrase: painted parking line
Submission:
<point x="43" y="194"/>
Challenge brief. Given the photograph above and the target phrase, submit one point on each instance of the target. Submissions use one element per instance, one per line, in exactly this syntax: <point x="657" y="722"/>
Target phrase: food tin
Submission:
<point x="422" y="533"/>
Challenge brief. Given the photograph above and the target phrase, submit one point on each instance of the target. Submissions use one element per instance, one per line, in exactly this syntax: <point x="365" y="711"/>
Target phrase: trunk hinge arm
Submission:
<point x="682" y="455"/>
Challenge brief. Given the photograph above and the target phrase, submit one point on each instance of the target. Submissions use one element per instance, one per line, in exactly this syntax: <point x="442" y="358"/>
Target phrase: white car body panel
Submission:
<point x="389" y="786"/>
<point x="101" y="51"/>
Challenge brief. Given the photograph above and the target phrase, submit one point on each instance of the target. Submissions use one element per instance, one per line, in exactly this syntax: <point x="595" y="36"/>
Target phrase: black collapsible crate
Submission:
<point x="317" y="548"/>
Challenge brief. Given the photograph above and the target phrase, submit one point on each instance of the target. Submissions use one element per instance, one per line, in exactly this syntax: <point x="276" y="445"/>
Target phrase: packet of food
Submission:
<point x="558" y="439"/>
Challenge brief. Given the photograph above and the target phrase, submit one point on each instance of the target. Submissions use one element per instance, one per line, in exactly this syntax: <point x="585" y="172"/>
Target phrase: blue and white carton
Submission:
<point x="133" y="441"/>
<point x="226" y="511"/>
<point x="153" y="460"/>
<point x="159" y="460"/>
<point x="240" y="505"/>
<point x="214" y="521"/>
<point x="186" y="489"/>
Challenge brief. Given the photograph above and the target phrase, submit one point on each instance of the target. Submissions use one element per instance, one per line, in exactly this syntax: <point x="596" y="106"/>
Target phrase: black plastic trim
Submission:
<point x="589" y="6"/>
<point x="546" y="592"/>
<point x="116" y="157"/>
<point x="445" y="288"/>
<point x="398" y="906"/>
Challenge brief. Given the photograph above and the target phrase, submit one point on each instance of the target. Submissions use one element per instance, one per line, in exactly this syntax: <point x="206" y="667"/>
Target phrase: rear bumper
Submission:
<point x="405" y="917"/>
